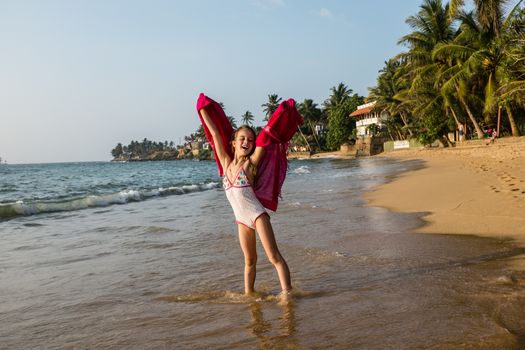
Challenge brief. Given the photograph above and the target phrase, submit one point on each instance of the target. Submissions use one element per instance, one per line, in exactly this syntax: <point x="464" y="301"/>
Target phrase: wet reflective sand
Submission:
<point x="167" y="273"/>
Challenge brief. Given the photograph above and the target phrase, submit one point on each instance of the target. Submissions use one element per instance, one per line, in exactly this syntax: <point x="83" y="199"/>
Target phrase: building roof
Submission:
<point x="361" y="111"/>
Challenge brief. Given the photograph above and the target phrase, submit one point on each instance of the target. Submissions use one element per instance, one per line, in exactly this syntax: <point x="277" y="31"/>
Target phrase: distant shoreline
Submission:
<point x="160" y="157"/>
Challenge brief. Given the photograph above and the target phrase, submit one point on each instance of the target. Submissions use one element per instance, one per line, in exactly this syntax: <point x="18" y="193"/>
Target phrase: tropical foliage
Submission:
<point x="338" y="108"/>
<point x="247" y="118"/>
<point x="270" y="106"/>
<point x="141" y="149"/>
<point x="313" y="116"/>
<point x="461" y="67"/>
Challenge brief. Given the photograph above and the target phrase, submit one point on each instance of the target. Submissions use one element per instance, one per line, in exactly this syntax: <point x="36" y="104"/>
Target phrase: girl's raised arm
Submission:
<point x="221" y="152"/>
<point x="257" y="156"/>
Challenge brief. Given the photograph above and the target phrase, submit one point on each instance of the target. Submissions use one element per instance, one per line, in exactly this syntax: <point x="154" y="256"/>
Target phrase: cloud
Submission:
<point x="324" y="13"/>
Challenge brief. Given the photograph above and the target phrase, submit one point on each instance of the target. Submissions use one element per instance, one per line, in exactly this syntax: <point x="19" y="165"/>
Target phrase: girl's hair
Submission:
<point x="234" y="136"/>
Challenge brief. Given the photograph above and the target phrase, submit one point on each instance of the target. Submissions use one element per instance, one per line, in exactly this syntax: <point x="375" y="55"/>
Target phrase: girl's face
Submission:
<point x="243" y="143"/>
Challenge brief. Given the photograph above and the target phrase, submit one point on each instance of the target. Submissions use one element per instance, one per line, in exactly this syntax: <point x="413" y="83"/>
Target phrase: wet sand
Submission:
<point x="167" y="273"/>
<point x="473" y="189"/>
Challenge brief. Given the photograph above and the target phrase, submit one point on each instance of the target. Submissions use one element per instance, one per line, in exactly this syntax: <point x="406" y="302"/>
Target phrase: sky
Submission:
<point x="79" y="76"/>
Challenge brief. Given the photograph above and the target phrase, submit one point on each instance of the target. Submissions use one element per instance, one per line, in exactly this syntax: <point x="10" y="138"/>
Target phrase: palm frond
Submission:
<point x="452" y="51"/>
<point x="454" y="8"/>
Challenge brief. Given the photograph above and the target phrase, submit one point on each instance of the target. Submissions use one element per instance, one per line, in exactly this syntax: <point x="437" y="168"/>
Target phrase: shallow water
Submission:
<point x="167" y="273"/>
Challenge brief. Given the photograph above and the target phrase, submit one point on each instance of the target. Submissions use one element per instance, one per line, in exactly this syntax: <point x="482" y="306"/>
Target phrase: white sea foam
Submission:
<point x="304" y="169"/>
<point x="21" y="208"/>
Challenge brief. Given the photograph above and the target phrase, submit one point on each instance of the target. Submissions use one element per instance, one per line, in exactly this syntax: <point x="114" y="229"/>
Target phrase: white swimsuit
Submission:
<point x="241" y="196"/>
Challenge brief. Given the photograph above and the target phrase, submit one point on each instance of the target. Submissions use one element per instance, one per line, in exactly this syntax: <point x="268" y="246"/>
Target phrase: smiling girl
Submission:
<point x="240" y="165"/>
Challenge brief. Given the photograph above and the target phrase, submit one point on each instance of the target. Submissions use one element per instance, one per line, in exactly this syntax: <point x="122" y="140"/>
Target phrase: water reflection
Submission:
<point x="280" y="334"/>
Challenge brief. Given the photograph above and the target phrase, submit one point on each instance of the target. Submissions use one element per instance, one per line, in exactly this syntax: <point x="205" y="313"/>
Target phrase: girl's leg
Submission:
<point x="265" y="231"/>
<point x="247" y="240"/>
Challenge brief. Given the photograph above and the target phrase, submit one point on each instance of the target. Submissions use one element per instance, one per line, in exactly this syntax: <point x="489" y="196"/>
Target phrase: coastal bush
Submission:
<point x="339" y="128"/>
<point x="205" y="154"/>
<point x="434" y="127"/>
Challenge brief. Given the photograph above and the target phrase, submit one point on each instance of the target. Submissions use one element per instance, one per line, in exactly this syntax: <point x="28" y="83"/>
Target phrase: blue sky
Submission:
<point x="78" y="76"/>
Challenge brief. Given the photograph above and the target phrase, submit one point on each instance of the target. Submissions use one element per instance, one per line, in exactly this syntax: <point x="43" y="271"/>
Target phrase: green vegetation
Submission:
<point x="338" y="108"/>
<point x="461" y="67"/>
<point x="324" y="128"/>
<point x="145" y="150"/>
<point x="270" y="106"/>
<point x="247" y="118"/>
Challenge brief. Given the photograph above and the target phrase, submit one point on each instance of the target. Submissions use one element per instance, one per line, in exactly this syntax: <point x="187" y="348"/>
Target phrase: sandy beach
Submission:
<point x="472" y="189"/>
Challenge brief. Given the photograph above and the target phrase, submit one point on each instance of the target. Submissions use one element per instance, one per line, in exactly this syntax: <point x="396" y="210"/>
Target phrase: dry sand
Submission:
<point x="473" y="189"/>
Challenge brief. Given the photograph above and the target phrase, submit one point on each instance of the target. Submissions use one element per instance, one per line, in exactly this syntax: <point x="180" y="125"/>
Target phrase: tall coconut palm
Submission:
<point x="311" y="114"/>
<point x="490" y="14"/>
<point x="230" y="118"/>
<point x="247" y="118"/>
<point x="512" y="87"/>
<point x="232" y="121"/>
<point x="340" y="94"/>
<point x="431" y="26"/>
<point x="269" y="107"/>
<point x="338" y="108"/>
<point x="480" y="54"/>
<point x="390" y="83"/>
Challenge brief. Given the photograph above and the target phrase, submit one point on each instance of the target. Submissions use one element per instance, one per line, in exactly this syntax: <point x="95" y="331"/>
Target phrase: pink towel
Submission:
<point x="222" y="123"/>
<point x="275" y="136"/>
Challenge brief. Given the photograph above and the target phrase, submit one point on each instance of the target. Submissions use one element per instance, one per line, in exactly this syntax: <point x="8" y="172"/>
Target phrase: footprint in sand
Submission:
<point x="494" y="188"/>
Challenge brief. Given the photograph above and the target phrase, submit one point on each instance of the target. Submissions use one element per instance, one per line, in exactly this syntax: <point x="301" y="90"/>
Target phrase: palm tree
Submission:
<point x="247" y="118"/>
<point x="232" y="121"/>
<point x="513" y="85"/>
<point x="481" y="54"/>
<point x="339" y="96"/>
<point x="230" y="118"/>
<point x="489" y="13"/>
<point x="432" y="26"/>
<point x="270" y="106"/>
<point x="338" y="108"/>
<point x="389" y="95"/>
<point x="311" y="114"/>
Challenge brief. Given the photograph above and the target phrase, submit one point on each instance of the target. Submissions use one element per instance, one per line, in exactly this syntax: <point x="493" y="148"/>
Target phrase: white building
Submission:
<point x="365" y="116"/>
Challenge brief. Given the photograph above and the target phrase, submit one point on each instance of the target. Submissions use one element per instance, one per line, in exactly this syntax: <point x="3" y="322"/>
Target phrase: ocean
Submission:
<point x="146" y="256"/>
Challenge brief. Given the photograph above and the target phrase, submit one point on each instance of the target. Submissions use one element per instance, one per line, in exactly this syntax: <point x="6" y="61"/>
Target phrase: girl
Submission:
<point x="240" y="165"/>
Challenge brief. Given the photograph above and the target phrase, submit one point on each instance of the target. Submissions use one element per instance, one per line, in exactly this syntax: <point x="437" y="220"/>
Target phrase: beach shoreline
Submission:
<point x="473" y="189"/>
<point x="171" y="268"/>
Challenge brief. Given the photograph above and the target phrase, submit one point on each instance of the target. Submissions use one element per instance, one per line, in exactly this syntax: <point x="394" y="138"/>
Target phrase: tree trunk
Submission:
<point x="450" y="144"/>
<point x="472" y="119"/>
<point x="305" y="140"/>
<point x="405" y="121"/>
<point x="401" y="137"/>
<point x="315" y="136"/>
<point x="455" y="116"/>
<point x="513" y="126"/>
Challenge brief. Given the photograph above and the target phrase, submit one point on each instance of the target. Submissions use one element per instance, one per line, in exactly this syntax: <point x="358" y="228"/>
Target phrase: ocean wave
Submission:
<point x="24" y="208"/>
<point x="302" y="170"/>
